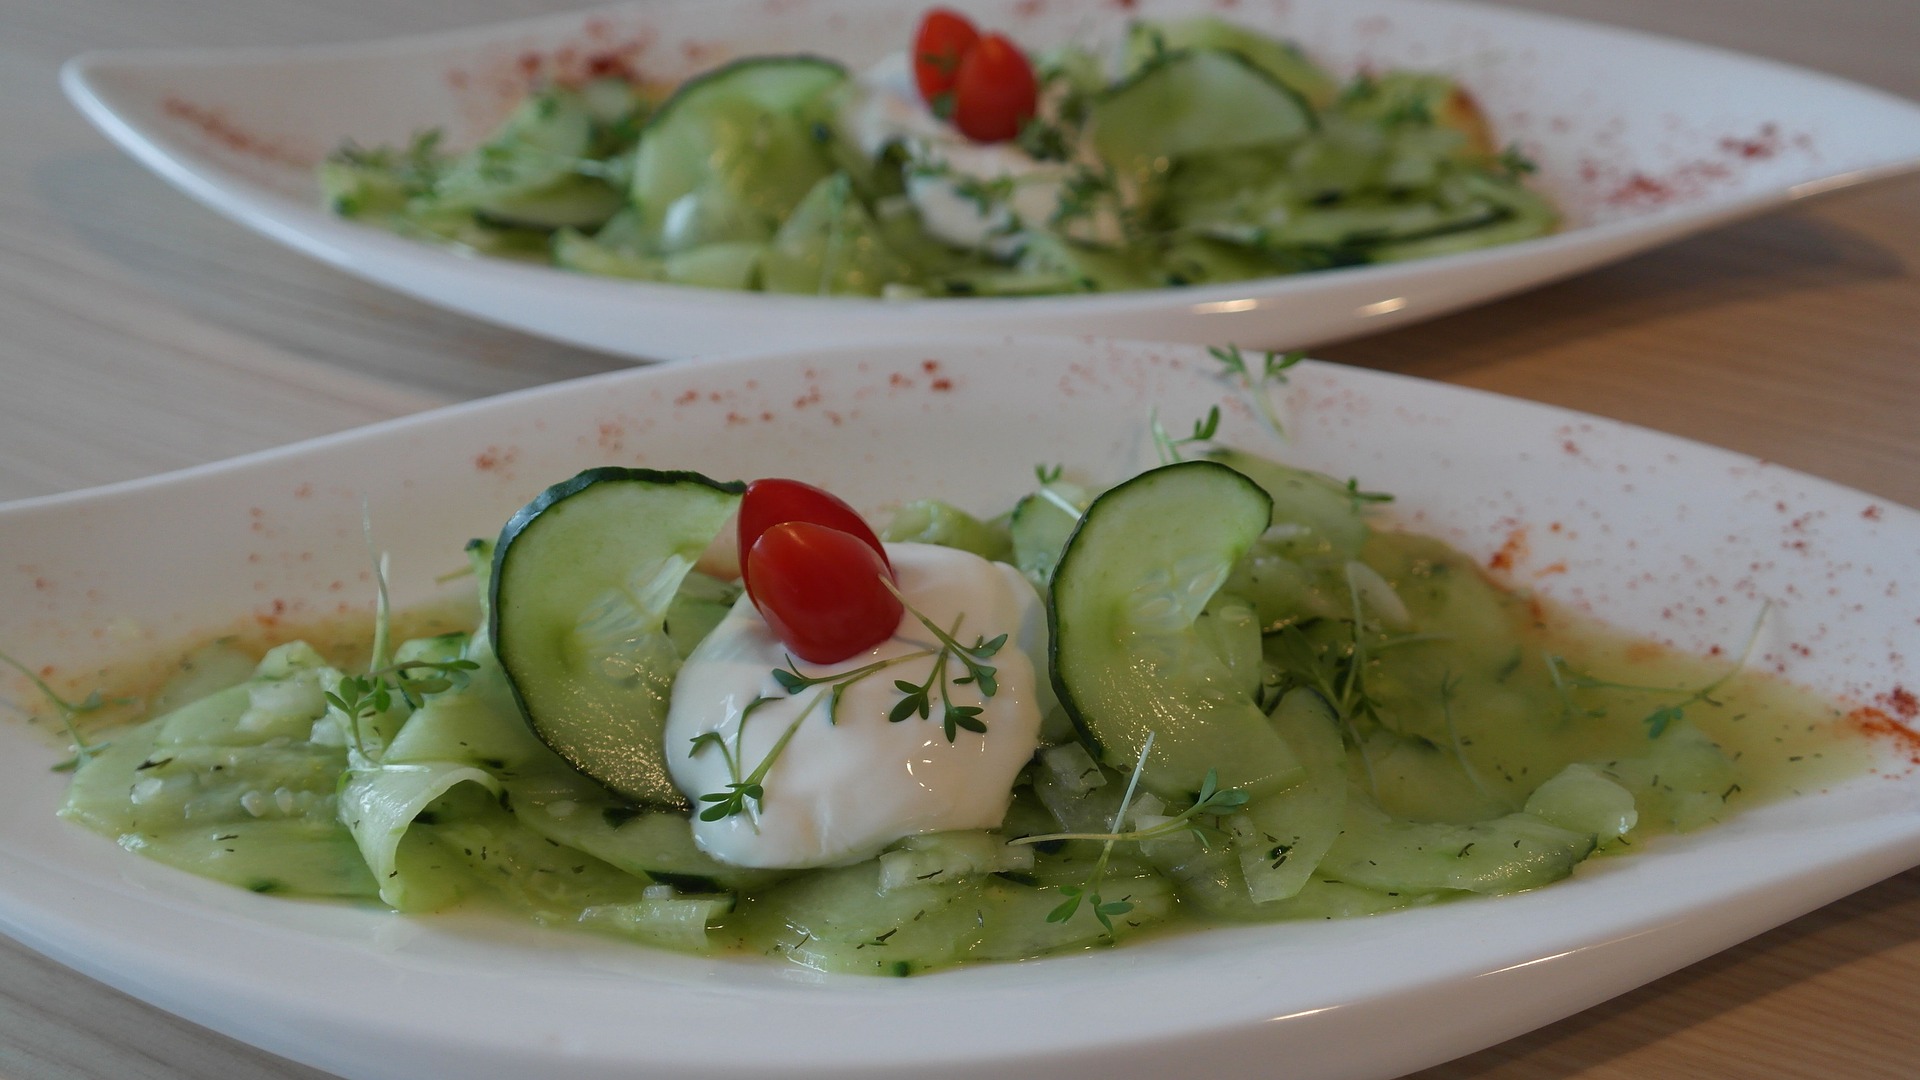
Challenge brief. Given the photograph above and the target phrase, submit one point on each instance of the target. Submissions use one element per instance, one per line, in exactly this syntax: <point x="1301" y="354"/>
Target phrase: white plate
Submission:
<point x="1676" y="539"/>
<point x="1639" y="139"/>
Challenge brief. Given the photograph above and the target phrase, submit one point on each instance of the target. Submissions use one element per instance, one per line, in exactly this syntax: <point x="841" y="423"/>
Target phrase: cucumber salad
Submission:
<point x="1193" y="151"/>
<point x="730" y="717"/>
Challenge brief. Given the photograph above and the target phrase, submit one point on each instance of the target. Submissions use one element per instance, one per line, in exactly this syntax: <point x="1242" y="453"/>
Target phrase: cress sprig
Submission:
<point x="917" y="697"/>
<point x="916" y="700"/>
<point x="1664" y="716"/>
<point x="1204" y="429"/>
<point x="83" y="751"/>
<point x="1211" y="800"/>
<point x="361" y="697"/>
<point x="1272" y="370"/>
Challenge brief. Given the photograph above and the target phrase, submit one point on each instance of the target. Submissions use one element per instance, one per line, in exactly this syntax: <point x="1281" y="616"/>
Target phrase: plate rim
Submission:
<point x="362" y="250"/>
<point x="1898" y="842"/>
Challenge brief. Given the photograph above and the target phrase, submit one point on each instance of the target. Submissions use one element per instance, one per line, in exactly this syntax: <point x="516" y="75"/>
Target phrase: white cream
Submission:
<point x="953" y="169"/>
<point x="840" y="792"/>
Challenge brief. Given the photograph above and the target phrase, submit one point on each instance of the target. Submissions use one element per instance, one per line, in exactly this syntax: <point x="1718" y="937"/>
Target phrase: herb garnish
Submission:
<point x="1515" y="163"/>
<point x="1204" y="430"/>
<point x="1339" y="674"/>
<point x="916" y="699"/>
<point x="1273" y="370"/>
<point x="1079" y="195"/>
<point x="83" y="750"/>
<point x="1664" y="716"/>
<point x="362" y="697"/>
<point x="1044" y="141"/>
<point x="1360" y="498"/>
<point x="1210" y="800"/>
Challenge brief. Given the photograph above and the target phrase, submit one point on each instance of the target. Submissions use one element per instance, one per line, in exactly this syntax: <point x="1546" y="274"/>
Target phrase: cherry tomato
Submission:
<point x="771" y="501"/>
<point x="823" y="592"/>
<point x="994" y="93"/>
<point x="943" y="39"/>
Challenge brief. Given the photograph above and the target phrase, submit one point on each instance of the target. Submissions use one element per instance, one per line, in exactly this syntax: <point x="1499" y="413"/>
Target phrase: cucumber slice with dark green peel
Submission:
<point x="582" y="581"/>
<point x="1324" y="517"/>
<point x="1127" y="658"/>
<point x="730" y="155"/>
<point x="1203" y="101"/>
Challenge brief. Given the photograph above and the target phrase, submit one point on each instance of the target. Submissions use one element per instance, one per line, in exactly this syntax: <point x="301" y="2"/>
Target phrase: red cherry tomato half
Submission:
<point x="823" y="592"/>
<point x="944" y="38"/>
<point x="995" y="92"/>
<point x="771" y="501"/>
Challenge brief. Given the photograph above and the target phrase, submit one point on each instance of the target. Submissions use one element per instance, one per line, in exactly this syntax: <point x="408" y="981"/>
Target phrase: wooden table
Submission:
<point x="140" y="333"/>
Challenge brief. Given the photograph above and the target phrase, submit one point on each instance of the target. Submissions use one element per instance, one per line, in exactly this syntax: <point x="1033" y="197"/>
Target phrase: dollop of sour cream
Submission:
<point x="972" y="195"/>
<point x="843" y="788"/>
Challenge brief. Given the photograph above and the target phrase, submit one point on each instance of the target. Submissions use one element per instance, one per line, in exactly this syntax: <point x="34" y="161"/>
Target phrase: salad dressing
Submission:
<point x="1446" y="728"/>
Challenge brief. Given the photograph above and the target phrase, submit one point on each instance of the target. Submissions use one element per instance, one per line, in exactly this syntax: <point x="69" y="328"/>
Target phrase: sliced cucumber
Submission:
<point x="580" y="202"/>
<point x="1182" y="103"/>
<point x="568" y="809"/>
<point x="841" y="920"/>
<point x="1067" y="266"/>
<point x="733" y="152"/>
<point x="1322" y="518"/>
<point x="931" y="521"/>
<point x="1505" y="854"/>
<point x="1039" y="527"/>
<point x="533" y="158"/>
<point x="714" y="266"/>
<point x="1281" y="839"/>
<point x="1127" y="657"/>
<point x="1283" y="60"/>
<point x="582" y="581"/>
<point x="832" y="246"/>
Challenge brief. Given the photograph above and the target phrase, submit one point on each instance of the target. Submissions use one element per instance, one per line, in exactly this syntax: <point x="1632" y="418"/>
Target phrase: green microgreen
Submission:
<point x="362" y="697"/>
<point x="916" y="699"/>
<point x="985" y="194"/>
<point x="725" y="804"/>
<point x="1413" y="111"/>
<point x="1210" y="800"/>
<point x="1061" y="503"/>
<point x="1515" y="163"/>
<point x="1360" y="498"/>
<point x="1043" y="140"/>
<point x="83" y="751"/>
<point x="1080" y="195"/>
<point x="1665" y="715"/>
<point x="1363" y="87"/>
<point x="1156" y="41"/>
<point x="1204" y="430"/>
<point x="416" y="168"/>
<point x="1271" y="371"/>
<point x="1047" y="474"/>
<point x="1338" y="670"/>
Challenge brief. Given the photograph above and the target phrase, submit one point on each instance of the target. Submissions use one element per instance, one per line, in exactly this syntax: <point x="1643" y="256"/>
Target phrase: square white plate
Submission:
<point x="1639" y="139"/>
<point x="1677" y="540"/>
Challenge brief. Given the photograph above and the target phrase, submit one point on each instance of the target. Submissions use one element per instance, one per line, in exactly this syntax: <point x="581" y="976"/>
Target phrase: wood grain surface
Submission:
<point x="141" y="333"/>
